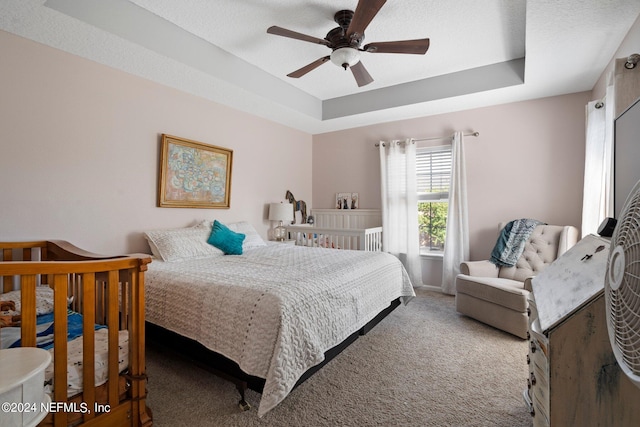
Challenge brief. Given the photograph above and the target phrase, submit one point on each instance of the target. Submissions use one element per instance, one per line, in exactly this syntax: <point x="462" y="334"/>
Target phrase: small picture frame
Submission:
<point x="347" y="201"/>
<point x="355" y="197"/>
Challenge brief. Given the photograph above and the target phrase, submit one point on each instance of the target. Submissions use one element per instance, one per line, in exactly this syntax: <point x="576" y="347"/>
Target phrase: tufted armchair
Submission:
<point x="496" y="295"/>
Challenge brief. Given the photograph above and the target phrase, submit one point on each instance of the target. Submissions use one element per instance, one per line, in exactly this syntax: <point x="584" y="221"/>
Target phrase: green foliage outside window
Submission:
<point x="432" y="224"/>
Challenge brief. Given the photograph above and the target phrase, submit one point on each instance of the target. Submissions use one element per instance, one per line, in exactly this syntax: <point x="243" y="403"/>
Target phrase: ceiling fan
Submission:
<point x="345" y="41"/>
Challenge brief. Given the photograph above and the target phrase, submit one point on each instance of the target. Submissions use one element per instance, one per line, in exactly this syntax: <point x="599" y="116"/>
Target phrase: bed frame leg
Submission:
<point x="242" y="387"/>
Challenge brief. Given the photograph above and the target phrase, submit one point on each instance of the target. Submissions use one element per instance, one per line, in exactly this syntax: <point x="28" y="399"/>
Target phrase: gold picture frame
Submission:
<point x="194" y="175"/>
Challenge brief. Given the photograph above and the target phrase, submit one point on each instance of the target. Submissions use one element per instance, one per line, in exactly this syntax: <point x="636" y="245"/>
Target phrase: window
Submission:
<point x="433" y="169"/>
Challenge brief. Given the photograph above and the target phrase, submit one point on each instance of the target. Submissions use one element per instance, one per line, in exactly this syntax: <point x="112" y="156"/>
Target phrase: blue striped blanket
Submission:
<point x="10" y="337"/>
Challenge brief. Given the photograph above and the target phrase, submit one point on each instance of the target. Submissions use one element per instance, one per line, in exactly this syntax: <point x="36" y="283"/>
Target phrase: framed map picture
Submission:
<point x="193" y="174"/>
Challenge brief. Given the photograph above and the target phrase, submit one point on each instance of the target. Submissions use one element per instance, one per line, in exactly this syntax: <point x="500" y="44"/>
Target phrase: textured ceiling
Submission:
<point x="482" y="32"/>
<point x="482" y="52"/>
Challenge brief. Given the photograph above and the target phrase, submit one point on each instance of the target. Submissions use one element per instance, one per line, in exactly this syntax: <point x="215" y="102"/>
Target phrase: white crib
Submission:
<point x="357" y="229"/>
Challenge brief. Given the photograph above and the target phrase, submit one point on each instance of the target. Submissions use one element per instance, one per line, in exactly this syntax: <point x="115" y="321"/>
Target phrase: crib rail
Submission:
<point x="365" y="239"/>
<point x="105" y="290"/>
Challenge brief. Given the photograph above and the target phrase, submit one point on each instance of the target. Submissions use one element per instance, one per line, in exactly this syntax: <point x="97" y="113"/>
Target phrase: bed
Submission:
<point x="88" y="312"/>
<point x="270" y="316"/>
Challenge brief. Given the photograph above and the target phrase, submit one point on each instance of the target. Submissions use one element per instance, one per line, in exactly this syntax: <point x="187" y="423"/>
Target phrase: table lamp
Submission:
<point x="280" y="212"/>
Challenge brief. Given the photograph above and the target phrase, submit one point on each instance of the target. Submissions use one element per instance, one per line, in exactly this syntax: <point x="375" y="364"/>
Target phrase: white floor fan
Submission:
<point x="622" y="288"/>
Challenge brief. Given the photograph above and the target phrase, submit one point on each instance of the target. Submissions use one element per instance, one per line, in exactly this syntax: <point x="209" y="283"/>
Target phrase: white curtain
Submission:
<point x="456" y="244"/>
<point x="400" y="204"/>
<point x="597" y="199"/>
<point x="593" y="208"/>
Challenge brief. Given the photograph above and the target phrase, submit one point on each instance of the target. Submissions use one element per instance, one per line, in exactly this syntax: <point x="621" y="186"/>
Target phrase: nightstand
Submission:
<point x="22" y="386"/>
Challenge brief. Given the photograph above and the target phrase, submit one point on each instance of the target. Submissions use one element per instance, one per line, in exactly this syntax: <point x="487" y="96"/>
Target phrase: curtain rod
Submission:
<point x="446" y="137"/>
<point x="435" y="138"/>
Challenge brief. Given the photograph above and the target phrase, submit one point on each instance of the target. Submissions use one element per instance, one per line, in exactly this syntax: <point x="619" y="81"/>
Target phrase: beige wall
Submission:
<point x="79" y="155"/>
<point x="80" y="145"/>
<point x="528" y="162"/>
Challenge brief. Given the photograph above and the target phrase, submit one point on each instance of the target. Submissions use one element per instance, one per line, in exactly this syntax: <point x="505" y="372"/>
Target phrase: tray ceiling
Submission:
<point x="482" y="52"/>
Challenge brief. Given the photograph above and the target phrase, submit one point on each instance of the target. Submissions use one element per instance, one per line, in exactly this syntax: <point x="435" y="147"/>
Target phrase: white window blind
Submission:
<point x="433" y="168"/>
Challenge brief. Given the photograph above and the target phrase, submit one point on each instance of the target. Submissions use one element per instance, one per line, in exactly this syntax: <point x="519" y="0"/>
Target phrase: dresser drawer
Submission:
<point x="536" y="337"/>
<point x="533" y="310"/>
<point x="541" y="411"/>
<point x="538" y="381"/>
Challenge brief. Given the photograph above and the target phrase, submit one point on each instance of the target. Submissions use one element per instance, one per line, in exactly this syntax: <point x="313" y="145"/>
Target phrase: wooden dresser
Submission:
<point x="574" y="379"/>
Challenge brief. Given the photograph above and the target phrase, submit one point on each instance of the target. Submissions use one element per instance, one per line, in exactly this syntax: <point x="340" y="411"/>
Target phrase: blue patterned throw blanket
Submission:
<point x="11" y="338"/>
<point x="511" y="241"/>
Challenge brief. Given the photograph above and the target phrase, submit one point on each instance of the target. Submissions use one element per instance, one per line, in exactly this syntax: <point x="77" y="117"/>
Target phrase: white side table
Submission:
<point x="22" y="393"/>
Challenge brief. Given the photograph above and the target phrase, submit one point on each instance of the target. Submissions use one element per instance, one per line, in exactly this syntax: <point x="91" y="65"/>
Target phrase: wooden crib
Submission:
<point x="105" y="291"/>
<point x="364" y="239"/>
<point x="355" y="229"/>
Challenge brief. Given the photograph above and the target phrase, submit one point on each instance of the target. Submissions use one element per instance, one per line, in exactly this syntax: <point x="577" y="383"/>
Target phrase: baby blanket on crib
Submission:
<point x="10" y="337"/>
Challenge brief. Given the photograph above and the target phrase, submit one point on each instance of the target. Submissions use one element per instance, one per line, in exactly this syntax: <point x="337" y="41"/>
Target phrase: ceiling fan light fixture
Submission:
<point x="345" y="57"/>
<point x="345" y="41"/>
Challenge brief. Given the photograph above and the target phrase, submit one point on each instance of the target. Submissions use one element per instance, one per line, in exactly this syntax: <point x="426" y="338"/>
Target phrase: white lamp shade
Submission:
<point x="345" y="55"/>
<point x="281" y="212"/>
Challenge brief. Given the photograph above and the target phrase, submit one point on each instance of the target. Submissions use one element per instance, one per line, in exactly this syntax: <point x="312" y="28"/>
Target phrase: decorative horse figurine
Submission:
<point x="298" y="205"/>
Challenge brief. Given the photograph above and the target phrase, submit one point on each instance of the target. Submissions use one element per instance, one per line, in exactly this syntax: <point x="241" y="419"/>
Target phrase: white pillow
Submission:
<point x="179" y="244"/>
<point x="252" y="238"/>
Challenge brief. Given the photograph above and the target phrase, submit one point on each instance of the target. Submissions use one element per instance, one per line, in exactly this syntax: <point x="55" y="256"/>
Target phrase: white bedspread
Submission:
<point x="275" y="309"/>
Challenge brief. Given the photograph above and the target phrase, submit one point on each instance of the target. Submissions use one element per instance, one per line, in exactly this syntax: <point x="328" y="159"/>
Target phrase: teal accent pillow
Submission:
<point x="226" y="240"/>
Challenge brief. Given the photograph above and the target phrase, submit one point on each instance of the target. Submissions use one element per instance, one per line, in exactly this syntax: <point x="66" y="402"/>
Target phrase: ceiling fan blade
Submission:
<point x="279" y="31"/>
<point x="361" y="74"/>
<point x="304" y="70"/>
<point x="364" y="13"/>
<point x="418" y="47"/>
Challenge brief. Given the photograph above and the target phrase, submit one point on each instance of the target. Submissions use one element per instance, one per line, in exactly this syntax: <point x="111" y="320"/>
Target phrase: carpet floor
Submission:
<point x="424" y="365"/>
